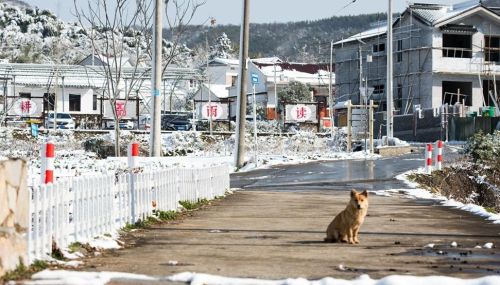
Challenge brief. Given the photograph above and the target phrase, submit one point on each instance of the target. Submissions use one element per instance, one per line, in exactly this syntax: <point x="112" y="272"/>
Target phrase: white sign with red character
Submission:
<point x="25" y="107"/>
<point x="300" y="113"/>
<point x="121" y="111"/>
<point x="214" y="110"/>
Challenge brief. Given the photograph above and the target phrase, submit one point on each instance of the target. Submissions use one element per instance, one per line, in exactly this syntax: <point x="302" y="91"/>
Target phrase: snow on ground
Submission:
<point x="101" y="278"/>
<point x="185" y="149"/>
<point x="415" y="192"/>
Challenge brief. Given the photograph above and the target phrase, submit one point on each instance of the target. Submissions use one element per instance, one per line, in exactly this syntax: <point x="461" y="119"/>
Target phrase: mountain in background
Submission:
<point x="33" y="35"/>
<point x="307" y="41"/>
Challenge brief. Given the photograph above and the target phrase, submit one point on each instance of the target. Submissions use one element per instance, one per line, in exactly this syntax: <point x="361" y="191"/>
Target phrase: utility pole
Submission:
<point x="155" y="139"/>
<point x="242" y="87"/>
<point x="208" y="82"/>
<point x="390" y="118"/>
<point x="276" y="100"/>
<point x="330" y="89"/>
<point x="360" y="73"/>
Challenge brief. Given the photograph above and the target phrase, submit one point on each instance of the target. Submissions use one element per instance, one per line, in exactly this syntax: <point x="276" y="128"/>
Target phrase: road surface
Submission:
<point x="274" y="228"/>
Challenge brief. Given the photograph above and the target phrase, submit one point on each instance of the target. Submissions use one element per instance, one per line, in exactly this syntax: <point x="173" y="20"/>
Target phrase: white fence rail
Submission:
<point x="82" y="208"/>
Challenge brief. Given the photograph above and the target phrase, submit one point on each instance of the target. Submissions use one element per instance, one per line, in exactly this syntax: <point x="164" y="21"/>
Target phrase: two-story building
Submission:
<point x="442" y="54"/>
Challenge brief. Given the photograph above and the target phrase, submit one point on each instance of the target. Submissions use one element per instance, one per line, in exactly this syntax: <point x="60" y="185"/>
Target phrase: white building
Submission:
<point x="443" y="54"/>
<point x="79" y="90"/>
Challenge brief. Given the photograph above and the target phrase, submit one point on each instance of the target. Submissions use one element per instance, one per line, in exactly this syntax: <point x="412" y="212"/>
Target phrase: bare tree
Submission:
<point x="119" y="32"/>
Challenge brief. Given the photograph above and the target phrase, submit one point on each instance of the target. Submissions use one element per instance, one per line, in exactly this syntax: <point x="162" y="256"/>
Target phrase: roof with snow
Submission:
<point x="267" y="60"/>
<point x="285" y="71"/>
<point x="431" y="15"/>
<point x="224" y="61"/>
<point x="77" y="75"/>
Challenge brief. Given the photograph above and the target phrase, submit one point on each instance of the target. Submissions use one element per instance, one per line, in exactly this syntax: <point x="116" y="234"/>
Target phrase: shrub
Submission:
<point x="484" y="148"/>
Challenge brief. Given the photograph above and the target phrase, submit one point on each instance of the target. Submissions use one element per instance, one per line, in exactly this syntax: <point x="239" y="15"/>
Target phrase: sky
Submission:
<point x="262" y="11"/>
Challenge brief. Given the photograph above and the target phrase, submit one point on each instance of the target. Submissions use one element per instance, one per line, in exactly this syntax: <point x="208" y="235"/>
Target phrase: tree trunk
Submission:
<point x="117" y="138"/>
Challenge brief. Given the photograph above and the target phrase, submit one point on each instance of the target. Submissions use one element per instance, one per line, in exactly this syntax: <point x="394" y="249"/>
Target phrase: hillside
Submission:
<point x="305" y="40"/>
<point x="33" y="35"/>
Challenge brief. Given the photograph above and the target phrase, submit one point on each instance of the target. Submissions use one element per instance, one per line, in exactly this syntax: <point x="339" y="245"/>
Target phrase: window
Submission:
<point x="94" y="102"/>
<point x="378" y="48"/>
<point x="74" y="102"/>
<point x="399" y="55"/>
<point x="457" y="46"/>
<point x="48" y="101"/>
<point x="492" y="49"/>
<point x="456" y="91"/>
<point x="378" y="89"/>
<point x="25" y="95"/>
<point x="399" y="99"/>
<point x="234" y="79"/>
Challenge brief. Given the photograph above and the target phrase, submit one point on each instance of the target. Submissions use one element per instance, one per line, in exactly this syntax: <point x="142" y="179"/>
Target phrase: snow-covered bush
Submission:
<point x="484" y="148"/>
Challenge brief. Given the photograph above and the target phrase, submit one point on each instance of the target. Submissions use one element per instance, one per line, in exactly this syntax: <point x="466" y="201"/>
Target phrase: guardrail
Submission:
<point x="80" y="209"/>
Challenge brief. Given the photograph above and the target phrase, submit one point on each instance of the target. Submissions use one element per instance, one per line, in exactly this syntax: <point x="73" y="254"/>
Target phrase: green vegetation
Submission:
<point x="484" y="148"/>
<point x="24" y="272"/>
<point x="158" y="216"/>
<point x="75" y="246"/>
<point x="188" y="205"/>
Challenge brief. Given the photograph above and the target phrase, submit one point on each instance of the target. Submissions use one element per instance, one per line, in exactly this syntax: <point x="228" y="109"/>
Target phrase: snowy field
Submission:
<point x="184" y="149"/>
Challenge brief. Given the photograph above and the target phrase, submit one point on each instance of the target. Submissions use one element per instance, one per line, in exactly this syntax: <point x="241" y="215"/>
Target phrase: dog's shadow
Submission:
<point x="310" y="242"/>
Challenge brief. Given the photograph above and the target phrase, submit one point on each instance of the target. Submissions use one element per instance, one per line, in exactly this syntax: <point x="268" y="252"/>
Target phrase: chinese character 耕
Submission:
<point x="25" y="107"/>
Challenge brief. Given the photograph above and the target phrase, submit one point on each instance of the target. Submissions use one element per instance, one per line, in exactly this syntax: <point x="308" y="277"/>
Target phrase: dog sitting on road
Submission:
<point x="345" y="226"/>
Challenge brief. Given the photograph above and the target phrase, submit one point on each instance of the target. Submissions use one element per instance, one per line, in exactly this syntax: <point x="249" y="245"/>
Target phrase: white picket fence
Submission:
<point x="79" y="209"/>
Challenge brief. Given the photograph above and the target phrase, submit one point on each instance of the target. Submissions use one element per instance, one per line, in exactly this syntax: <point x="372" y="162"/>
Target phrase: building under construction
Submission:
<point x="443" y="54"/>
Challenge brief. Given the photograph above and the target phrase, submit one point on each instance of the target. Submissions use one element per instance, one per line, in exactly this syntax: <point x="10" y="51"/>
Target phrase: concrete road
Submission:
<point x="274" y="228"/>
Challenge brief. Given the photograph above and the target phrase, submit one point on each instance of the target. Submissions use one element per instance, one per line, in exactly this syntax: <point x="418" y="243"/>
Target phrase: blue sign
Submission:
<point x="155" y="92"/>
<point x="255" y="78"/>
<point x="34" y="130"/>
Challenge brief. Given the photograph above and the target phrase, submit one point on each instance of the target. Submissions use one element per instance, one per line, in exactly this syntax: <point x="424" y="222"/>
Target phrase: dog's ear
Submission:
<point x="353" y="193"/>
<point x="365" y="193"/>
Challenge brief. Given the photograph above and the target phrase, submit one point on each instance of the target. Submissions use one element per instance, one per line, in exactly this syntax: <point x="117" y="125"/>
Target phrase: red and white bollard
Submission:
<point x="439" y="156"/>
<point x="47" y="167"/>
<point x="133" y="154"/>
<point x="428" y="161"/>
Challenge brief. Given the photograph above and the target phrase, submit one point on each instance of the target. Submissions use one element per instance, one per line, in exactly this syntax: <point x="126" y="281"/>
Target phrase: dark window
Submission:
<point x="94" y="102"/>
<point x="457" y="46"/>
<point x="456" y="91"/>
<point x="378" y="48"/>
<point x="399" y="99"/>
<point x="74" y="102"/>
<point x="492" y="48"/>
<point x="48" y="101"/>
<point x="233" y="80"/>
<point x="25" y="95"/>
<point x="399" y="55"/>
<point x="378" y="89"/>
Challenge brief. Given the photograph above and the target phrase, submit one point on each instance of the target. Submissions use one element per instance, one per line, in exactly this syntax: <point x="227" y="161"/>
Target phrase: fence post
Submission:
<point x="428" y="161"/>
<point x="133" y="154"/>
<point x="439" y="156"/>
<point x="47" y="165"/>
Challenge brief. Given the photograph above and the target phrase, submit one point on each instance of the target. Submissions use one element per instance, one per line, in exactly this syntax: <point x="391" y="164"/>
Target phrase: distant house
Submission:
<point x="443" y="54"/>
<point x="273" y="71"/>
<point x="222" y="75"/>
<point x="223" y="81"/>
<point x="80" y="90"/>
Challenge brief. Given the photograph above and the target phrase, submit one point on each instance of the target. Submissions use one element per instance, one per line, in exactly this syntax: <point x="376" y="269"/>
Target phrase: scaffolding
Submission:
<point x="412" y="54"/>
